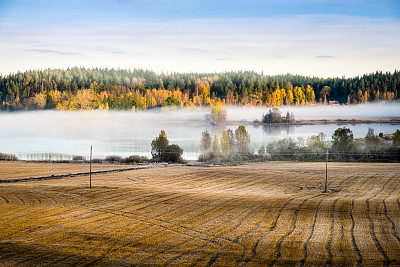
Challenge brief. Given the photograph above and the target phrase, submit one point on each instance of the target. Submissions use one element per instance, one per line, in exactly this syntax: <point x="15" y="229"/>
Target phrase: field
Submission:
<point x="15" y="170"/>
<point x="270" y="213"/>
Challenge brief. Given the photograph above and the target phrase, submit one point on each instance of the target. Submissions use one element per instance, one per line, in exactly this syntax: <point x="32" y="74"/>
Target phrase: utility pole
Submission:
<point x="326" y="172"/>
<point x="90" y="164"/>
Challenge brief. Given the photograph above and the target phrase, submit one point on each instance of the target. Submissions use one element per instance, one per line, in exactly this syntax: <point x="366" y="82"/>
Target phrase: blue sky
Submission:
<point x="308" y="37"/>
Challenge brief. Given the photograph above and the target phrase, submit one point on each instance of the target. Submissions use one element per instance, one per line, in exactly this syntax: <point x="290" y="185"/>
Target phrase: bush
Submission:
<point x="97" y="160"/>
<point x="206" y="157"/>
<point x="78" y="158"/>
<point x="135" y="159"/>
<point x="8" y="157"/>
<point x="113" y="159"/>
<point x="172" y="153"/>
<point x="233" y="159"/>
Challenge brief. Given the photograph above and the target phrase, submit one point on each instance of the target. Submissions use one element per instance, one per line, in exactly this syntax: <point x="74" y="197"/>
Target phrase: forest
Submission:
<point x="121" y="89"/>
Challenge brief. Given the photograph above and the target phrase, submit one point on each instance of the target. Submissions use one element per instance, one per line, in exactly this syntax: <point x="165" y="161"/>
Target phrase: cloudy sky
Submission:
<point x="309" y="37"/>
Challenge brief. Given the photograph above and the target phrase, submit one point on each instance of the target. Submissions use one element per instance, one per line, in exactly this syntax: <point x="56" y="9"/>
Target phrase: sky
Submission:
<point x="325" y="38"/>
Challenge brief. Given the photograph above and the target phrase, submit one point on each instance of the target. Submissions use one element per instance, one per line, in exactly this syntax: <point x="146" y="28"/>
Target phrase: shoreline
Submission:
<point x="392" y="121"/>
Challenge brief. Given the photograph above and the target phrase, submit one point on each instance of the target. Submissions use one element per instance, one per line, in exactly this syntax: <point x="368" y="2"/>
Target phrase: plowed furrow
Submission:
<point x="5" y="199"/>
<point x="247" y="232"/>
<point x="206" y="233"/>
<point x="68" y="240"/>
<point x="304" y="248"/>
<point x="332" y="225"/>
<point x="280" y="241"/>
<point x="316" y="254"/>
<point x="168" y="225"/>
<point x="226" y="228"/>
<point x="191" y="212"/>
<point x="111" y="235"/>
<point x="372" y="232"/>
<point x="272" y="228"/>
<point x="131" y="238"/>
<point x="341" y="247"/>
<point x="378" y="245"/>
<point x="20" y="199"/>
<point x="357" y="250"/>
<point x="385" y="210"/>
<point x="351" y="177"/>
<point x="353" y="240"/>
<point x="45" y="195"/>
<point x="254" y="215"/>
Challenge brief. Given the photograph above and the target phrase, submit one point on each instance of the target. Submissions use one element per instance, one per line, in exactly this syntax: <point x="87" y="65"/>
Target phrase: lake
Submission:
<point x="57" y="135"/>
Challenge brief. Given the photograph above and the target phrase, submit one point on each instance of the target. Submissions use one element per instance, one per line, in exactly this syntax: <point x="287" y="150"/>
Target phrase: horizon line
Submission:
<point x="162" y="72"/>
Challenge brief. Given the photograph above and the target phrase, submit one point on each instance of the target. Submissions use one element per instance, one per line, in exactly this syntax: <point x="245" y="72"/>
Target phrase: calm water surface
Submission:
<point x="62" y="135"/>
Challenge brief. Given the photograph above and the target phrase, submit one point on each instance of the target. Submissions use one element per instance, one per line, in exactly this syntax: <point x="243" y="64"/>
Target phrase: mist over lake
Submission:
<point x="62" y="135"/>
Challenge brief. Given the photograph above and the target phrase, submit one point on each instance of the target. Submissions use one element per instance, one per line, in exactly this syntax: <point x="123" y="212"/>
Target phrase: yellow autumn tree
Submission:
<point x="218" y="114"/>
<point x="204" y="89"/>
<point x="289" y="97"/>
<point x="215" y="147"/>
<point x="299" y="96"/>
<point x="225" y="144"/>
<point x="366" y="96"/>
<point x="282" y="96"/>
<point x="198" y="100"/>
<point x="310" y="95"/>
<point x="53" y="97"/>
<point x="84" y="98"/>
<point x="390" y="95"/>
<point x="268" y="99"/>
<point x="276" y="98"/>
<point x="40" y="100"/>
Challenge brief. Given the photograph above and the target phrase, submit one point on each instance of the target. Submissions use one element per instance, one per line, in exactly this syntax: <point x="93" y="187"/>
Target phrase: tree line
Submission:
<point x="343" y="147"/>
<point x="233" y="146"/>
<point x="121" y="89"/>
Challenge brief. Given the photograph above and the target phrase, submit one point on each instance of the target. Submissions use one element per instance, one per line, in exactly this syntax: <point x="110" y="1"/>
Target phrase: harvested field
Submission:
<point x="16" y="169"/>
<point x="257" y="214"/>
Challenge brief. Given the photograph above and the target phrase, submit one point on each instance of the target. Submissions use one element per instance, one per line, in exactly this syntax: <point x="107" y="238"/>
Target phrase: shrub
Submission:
<point x="78" y="158"/>
<point x="113" y="159"/>
<point x="8" y="157"/>
<point x="135" y="159"/>
<point x="172" y="153"/>
<point x="97" y="160"/>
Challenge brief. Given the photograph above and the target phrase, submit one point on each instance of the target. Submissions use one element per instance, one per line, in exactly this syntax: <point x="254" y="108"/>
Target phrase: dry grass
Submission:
<point x="257" y="214"/>
<point x="16" y="169"/>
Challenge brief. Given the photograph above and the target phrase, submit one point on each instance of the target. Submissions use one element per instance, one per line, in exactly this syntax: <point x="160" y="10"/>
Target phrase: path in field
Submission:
<point x="269" y="214"/>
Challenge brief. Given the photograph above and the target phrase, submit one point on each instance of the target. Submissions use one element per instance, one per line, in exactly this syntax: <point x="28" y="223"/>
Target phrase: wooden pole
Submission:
<point x="90" y="172"/>
<point x="326" y="173"/>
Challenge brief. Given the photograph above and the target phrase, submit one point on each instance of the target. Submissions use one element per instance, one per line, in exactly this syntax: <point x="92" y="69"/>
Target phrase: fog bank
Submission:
<point x="31" y="134"/>
<point x="374" y="110"/>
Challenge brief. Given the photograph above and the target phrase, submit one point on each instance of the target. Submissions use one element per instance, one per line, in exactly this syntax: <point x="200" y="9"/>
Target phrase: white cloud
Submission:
<point x="310" y="45"/>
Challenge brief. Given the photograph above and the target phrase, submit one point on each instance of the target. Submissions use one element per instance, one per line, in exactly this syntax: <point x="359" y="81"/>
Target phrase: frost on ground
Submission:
<point x="271" y="213"/>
